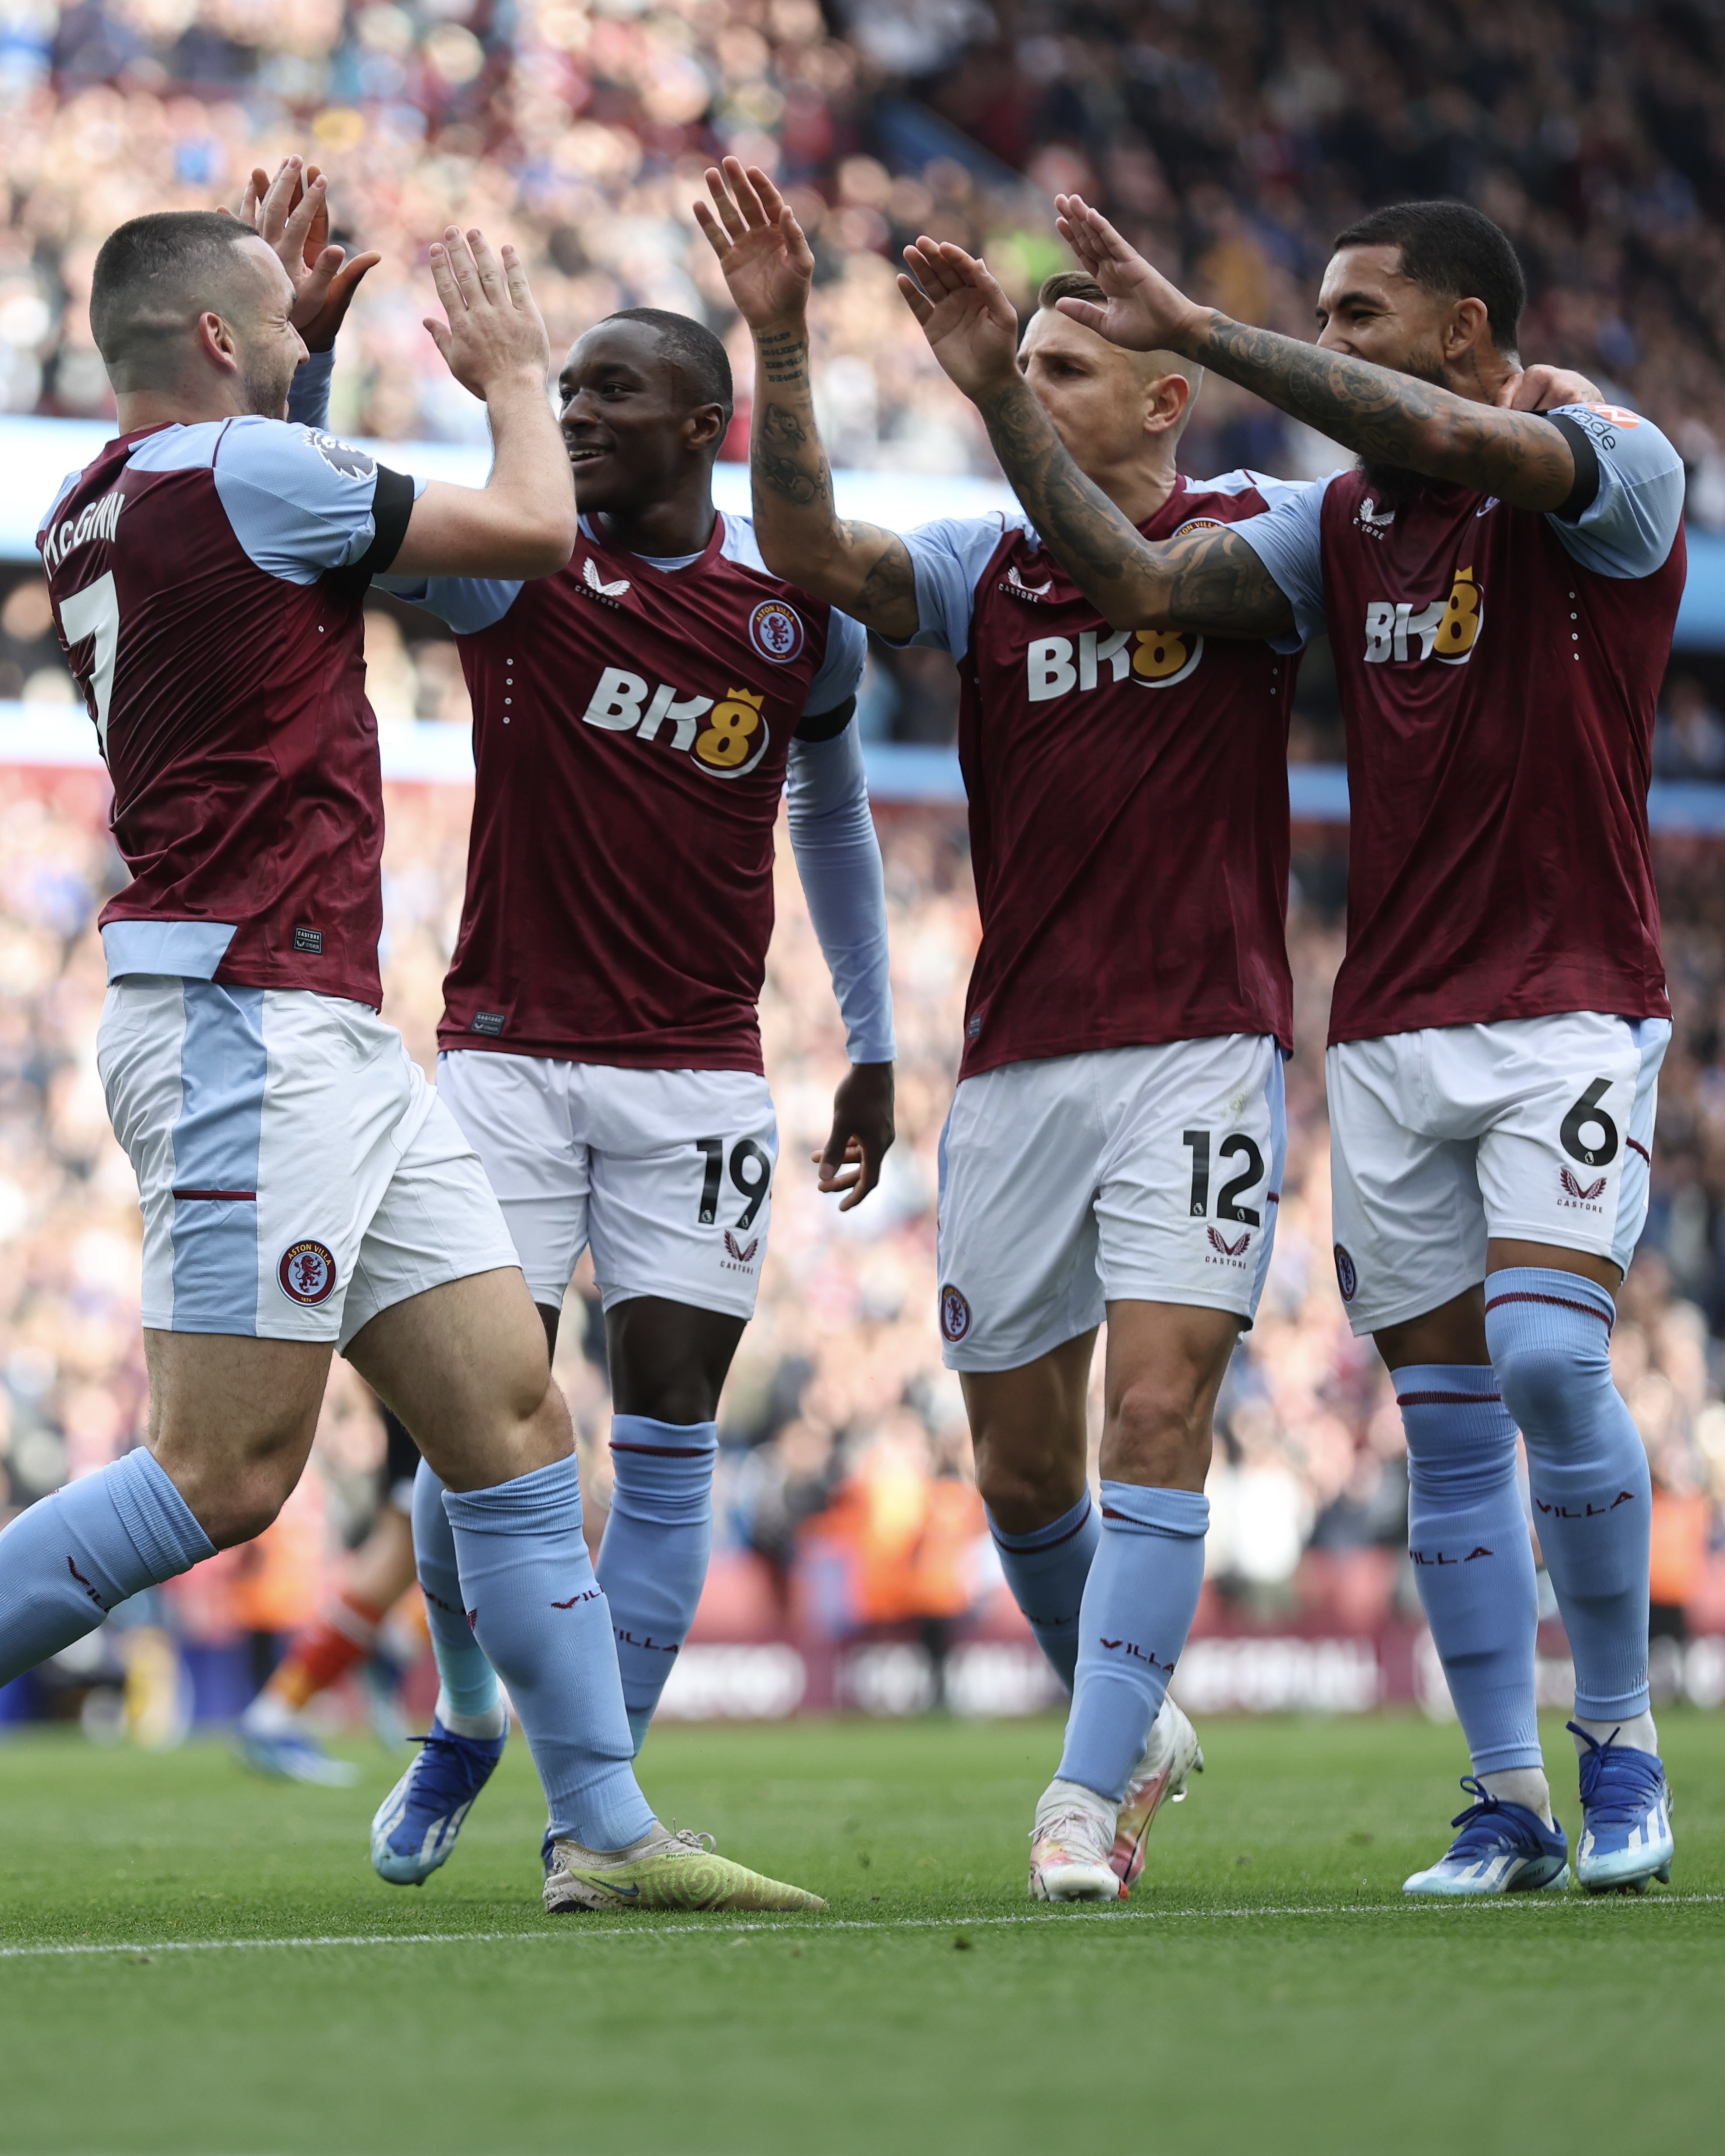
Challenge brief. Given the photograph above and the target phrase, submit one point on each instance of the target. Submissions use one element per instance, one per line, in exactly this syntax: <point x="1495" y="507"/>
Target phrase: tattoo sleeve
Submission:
<point x="1395" y="419"/>
<point x="1210" y="581"/>
<point x="858" y="567"/>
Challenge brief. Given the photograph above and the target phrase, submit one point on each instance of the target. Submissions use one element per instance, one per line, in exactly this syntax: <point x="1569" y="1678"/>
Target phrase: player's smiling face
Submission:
<point x="258" y="310"/>
<point x="1104" y="404"/>
<point x="627" y="420"/>
<point x="1367" y="308"/>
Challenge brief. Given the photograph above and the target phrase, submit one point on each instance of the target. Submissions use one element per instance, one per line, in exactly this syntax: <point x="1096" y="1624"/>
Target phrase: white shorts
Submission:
<point x="1141" y="1174"/>
<point x="1539" y="1130"/>
<point x="667" y="1174"/>
<point x="297" y="1174"/>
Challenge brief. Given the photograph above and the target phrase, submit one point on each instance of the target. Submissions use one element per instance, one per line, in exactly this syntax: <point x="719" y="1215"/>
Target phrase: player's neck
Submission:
<point x="662" y="529"/>
<point x="183" y="406"/>
<point x="1137" y="489"/>
<point x="1478" y="375"/>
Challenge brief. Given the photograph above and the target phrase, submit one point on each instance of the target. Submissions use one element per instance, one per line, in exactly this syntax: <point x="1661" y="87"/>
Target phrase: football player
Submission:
<point x="637" y="719"/>
<point x="1115" y="1145"/>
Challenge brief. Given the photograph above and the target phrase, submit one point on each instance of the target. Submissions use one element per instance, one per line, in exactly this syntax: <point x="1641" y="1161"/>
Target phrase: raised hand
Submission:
<point x="290" y="213"/>
<point x="494" y="330"/>
<point x="1144" y="311"/>
<point x="766" y="261"/>
<point x="1546" y="389"/>
<point x="972" y="326"/>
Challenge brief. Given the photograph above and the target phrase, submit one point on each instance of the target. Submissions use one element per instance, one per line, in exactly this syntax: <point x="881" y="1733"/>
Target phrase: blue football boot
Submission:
<point x="417" y="1823"/>
<point x="1501" y="1848"/>
<point x="1625" y="1818"/>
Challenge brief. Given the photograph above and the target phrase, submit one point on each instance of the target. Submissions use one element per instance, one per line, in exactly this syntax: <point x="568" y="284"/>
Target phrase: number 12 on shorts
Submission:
<point x="751" y="1171"/>
<point x="1237" y="1145"/>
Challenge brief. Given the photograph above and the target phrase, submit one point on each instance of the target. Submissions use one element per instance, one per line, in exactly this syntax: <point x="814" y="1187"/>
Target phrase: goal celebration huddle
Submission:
<point x="1497" y="573"/>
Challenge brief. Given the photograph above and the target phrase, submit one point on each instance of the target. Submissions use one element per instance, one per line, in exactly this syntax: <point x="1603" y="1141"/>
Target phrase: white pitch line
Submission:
<point x="1411" y="1907"/>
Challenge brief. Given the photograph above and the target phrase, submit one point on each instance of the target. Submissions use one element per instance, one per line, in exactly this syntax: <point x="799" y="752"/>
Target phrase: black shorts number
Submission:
<point x="751" y="1171"/>
<point x="1586" y="1109"/>
<point x="1235" y="1146"/>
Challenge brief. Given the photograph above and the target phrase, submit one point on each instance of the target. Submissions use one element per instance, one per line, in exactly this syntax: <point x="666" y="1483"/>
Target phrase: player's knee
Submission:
<point x="1022" y="1495"/>
<point x="1155" y="1434"/>
<point x="238" y="1506"/>
<point x="1543" y="1381"/>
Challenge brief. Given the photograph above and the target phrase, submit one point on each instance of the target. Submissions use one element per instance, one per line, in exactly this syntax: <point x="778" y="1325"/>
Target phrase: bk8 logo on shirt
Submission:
<point x="730" y="745"/>
<point x="1447" y="630"/>
<point x="1154" y="658"/>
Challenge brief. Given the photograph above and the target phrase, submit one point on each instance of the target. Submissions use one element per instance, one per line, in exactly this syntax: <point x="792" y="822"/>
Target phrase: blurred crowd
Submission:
<point x="846" y="1465"/>
<point x="1232" y="141"/>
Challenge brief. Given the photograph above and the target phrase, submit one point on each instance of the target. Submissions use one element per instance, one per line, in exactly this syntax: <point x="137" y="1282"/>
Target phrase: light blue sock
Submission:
<point x="1473" y="1561"/>
<point x="467" y="1682"/>
<point x="538" y="1612"/>
<point x="654" y="1558"/>
<point x="68" y="1559"/>
<point x="1139" y="1602"/>
<point x="1550" y="1336"/>
<point x="1046" y="1570"/>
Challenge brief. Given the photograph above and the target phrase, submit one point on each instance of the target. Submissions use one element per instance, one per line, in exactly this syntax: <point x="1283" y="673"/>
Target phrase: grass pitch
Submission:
<point x="227" y="1975"/>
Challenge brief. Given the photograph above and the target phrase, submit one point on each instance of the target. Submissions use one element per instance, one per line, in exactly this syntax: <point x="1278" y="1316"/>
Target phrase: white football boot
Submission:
<point x="1070" y="1846"/>
<point x="1173" y="1753"/>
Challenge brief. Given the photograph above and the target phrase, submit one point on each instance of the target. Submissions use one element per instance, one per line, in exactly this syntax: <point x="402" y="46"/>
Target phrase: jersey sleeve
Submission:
<point x="949" y="557"/>
<point x="841" y="670"/>
<point x="467" y="604"/>
<point x="838" y="857"/>
<point x="300" y="502"/>
<point x="1631" y="524"/>
<point x="309" y="396"/>
<point x="1288" y="540"/>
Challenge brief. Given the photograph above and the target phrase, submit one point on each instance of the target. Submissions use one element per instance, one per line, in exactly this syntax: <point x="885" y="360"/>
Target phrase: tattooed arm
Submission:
<point x="1385" y="416"/>
<point x="769" y="266"/>
<point x="1210" y="580"/>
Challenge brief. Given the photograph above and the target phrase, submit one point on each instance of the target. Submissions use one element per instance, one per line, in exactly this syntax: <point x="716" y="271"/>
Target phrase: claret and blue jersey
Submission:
<point x="1499" y="670"/>
<point x="208" y="583"/>
<point x="1128" y="798"/>
<point x="634" y="723"/>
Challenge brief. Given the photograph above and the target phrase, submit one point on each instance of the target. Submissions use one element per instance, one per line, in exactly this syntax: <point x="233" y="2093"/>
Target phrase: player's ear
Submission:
<point x="1469" y="325"/>
<point x="1164" y="406"/>
<point x="216" y="341"/>
<point x="705" y="427"/>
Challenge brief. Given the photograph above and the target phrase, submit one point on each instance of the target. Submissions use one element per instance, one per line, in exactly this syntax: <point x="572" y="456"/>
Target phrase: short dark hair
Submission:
<point x="1070" y="285"/>
<point x="1450" y="248"/>
<point x="152" y="274"/>
<point x="692" y="349"/>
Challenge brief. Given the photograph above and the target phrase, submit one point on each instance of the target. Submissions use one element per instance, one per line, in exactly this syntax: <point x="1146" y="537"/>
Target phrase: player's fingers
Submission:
<point x="915" y="299"/>
<point x="279" y="199"/>
<point x="1086" y="311"/>
<point x="742" y="188"/>
<point x="515" y="276"/>
<point x="440" y="335"/>
<point x="459" y="255"/>
<point x="770" y="200"/>
<point x="298" y="228"/>
<point x="486" y="267"/>
<point x="730" y="217"/>
<point x="443" y="276"/>
<point x="717" y="237"/>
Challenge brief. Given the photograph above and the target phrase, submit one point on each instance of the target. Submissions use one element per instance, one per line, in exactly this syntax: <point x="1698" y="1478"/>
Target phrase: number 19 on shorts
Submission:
<point x="751" y="1173"/>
